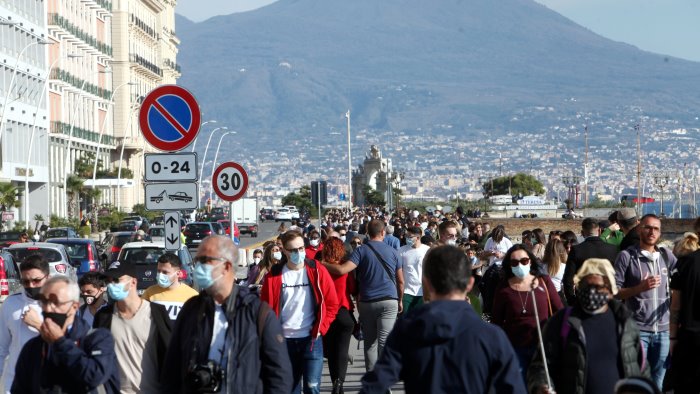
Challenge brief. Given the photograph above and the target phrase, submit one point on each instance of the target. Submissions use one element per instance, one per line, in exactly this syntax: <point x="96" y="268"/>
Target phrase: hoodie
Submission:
<point x="444" y="347"/>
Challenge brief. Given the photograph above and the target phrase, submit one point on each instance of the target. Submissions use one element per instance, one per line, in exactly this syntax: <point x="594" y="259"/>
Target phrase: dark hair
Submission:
<point x="170" y="258"/>
<point x="696" y="225"/>
<point x="539" y="236"/>
<point x="256" y="251"/>
<point x="569" y="238"/>
<point x="333" y="250"/>
<point x="415" y="231"/>
<point x="442" y="228"/>
<point x="498" y="233"/>
<point x="447" y="269"/>
<point x="289" y="236"/>
<point x="613" y="217"/>
<point x="427" y="240"/>
<point x="507" y="272"/>
<point x="35" y="261"/>
<point x="93" y="278"/>
<point x="526" y="233"/>
<point x="649" y="215"/>
<point x="588" y="225"/>
<point x="375" y="227"/>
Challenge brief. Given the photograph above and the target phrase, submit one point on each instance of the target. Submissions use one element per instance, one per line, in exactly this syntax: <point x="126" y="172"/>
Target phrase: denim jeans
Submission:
<point x="656" y="348"/>
<point x="306" y="356"/>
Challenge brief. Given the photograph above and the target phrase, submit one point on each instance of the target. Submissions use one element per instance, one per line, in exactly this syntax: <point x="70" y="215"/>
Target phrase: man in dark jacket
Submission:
<point x="63" y="359"/>
<point x="628" y="221"/>
<point x="230" y="326"/>
<point x="592" y="247"/>
<point x="590" y="346"/>
<point x="443" y="346"/>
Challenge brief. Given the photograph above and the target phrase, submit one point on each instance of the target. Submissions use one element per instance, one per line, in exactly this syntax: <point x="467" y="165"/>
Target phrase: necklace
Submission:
<point x="524" y="304"/>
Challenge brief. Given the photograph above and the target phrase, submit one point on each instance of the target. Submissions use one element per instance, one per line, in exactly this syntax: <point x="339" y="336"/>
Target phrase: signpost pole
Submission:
<point x="318" y="193"/>
<point x="232" y="223"/>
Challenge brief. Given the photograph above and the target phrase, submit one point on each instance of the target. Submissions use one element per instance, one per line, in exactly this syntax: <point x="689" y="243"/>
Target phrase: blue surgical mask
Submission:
<point x="117" y="291"/>
<point x="410" y="242"/>
<point x="164" y="280"/>
<point x="297" y="257"/>
<point x="202" y="275"/>
<point x="521" y="270"/>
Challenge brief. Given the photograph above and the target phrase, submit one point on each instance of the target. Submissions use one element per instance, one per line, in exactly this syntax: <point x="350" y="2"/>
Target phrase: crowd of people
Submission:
<point x="441" y="301"/>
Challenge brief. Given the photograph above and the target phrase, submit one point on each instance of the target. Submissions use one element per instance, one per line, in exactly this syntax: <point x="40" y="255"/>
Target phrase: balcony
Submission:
<point x="64" y="128"/>
<point x="131" y="143"/>
<point x="60" y="21"/>
<point x="143" y="26"/>
<point x="171" y="64"/>
<point x="78" y="83"/>
<point x="145" y="64"/>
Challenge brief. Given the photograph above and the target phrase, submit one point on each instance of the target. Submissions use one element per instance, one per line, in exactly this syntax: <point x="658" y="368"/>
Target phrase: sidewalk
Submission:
<point x="355" y="372"/>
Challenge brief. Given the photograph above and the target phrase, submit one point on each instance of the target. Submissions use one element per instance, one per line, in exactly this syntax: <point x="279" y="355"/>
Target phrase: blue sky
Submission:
<point x="668" y="27"/>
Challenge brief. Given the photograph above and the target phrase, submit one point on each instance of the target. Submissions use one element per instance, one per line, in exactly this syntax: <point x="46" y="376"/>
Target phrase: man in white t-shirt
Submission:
<point x="303" y="295"/>
<point x="412" y="255"/>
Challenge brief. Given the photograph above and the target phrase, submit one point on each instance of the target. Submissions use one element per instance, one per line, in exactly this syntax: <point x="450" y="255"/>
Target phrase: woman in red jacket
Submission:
<point x="337" y="339"/>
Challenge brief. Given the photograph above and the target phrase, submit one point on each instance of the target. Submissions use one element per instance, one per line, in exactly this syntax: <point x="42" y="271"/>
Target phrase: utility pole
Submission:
<point x="639" y="167"/>
<point x="347" y="115"/>
<point x="661" y="180"/>
<point x="585" y="168"/>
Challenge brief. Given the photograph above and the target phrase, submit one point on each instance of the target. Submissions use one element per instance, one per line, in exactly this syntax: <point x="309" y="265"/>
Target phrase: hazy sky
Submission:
<point x="664" y="26"/>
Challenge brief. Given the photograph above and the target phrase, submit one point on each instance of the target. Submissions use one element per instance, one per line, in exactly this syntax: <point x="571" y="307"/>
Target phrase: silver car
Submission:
<point x="157" y="234"/>
<point x="59" y="262"/>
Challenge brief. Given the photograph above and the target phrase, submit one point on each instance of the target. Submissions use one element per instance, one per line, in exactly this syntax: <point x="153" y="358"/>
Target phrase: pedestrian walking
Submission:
<point x="169" y="292"/>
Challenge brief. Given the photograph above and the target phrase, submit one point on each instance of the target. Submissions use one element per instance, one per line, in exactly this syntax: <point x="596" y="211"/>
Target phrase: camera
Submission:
<point x="205" y="378"/>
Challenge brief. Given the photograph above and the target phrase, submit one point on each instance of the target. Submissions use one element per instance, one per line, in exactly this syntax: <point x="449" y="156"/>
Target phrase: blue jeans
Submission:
<point x="525" y="355"/>
<point x="656" y="348"/>
<point x="306" y="356"/>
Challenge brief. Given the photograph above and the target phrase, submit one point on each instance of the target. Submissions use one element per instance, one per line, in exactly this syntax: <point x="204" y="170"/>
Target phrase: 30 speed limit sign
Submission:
<point x="230" y="181"/>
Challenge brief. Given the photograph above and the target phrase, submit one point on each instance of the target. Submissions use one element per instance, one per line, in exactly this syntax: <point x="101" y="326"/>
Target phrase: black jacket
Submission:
<point x="631" y="238"/>
<point x="445" y="347"/>
<point x="592" y="247"/>
<point x="80" y="362"/>
<point x="159" y="316"/>
<point x="255" y="365"/>
<point x="566" y="357"/>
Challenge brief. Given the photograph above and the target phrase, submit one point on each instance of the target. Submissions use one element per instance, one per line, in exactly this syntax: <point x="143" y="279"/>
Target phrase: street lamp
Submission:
<point x="204" y="158"/>
<point x="216" y="157"/>
<point x="347" y="115"/>
<point x="12" y="80"/>
<point x="194" y="143"/>
<point x="31" y="139"/>
<point x="661" y="180"/>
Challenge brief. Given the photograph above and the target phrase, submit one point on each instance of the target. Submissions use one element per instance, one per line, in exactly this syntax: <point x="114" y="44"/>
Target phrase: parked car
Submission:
<point x="195" y="232"/>
<point x="59" y="262"/>
<point x="9" y="276"/>
<point x="140" y="220"/>
<point x="283" y="214"/>
<point x="82" y="252"/>
<point x="112" y="245"/>
<point x="61" y="232"/>
<point x="8" y="238"/>
<point x="295" y="213"/>
<point x="128" y="225"/>
<point x="157" y="233"/>
<point x="248" y="228"/>
<point x="144" y="255"/>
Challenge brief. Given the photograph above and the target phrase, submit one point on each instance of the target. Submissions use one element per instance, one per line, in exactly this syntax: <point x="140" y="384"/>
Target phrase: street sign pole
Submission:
<point x="172" y="230"/>
<point x="232" y="222"/>
<point x="318" y="193"/>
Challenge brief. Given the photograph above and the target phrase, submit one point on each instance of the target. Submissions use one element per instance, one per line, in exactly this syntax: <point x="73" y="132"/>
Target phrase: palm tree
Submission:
<point x="8" y="196"/>
<point x="74" y="186"/>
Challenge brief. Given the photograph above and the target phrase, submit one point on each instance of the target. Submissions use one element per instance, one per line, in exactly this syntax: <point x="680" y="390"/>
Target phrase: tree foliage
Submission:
<point x="8" y="196"/>
<point x="518" y="184"/>
<point x="373" y="197"/>
<point x="301" y="200"/>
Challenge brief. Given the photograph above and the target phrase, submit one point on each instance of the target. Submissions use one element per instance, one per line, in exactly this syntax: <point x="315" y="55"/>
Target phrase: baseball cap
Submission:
<point x="117" y="269"/>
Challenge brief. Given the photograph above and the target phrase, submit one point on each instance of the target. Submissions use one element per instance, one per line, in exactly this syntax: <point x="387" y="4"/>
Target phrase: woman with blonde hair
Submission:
<point x="686" y="245"/>
<point x="555" y="260"/>
<point x="271" y="255"/>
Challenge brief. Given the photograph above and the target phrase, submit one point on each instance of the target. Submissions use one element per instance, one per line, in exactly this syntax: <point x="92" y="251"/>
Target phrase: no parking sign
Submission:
<point x="169" y="118"/>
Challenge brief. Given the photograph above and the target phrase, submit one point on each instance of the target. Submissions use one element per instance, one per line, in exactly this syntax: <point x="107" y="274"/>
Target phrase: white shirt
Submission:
<point x="556" y="279"/>
<point x="502" y="247"/>
<point x="14" y="333"/>
<point x="297" y="314"/>
<point x="412" y="263"/>
<point x="218" y="337"/>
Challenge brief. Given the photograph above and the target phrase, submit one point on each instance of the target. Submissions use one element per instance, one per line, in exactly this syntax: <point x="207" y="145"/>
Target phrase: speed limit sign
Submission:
<point x="230" y="181"/>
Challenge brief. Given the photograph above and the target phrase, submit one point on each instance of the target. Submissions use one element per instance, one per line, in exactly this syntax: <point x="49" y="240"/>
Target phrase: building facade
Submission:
<point x="375" y="172"/>
<point x="24" y="118"/>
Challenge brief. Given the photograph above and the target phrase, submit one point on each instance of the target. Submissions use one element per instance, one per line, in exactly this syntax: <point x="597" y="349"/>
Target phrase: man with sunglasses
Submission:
<point x="20" y="316"/>
<point x="68" y="357"/>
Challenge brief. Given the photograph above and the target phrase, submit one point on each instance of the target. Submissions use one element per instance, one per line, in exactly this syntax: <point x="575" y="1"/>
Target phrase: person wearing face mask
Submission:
<point x="315" y="246"/>
<point x="169" y="292"/>
<point x="390" y="239"/>
<point x="412" y="255"/>
<point x="20" y="316"/>
<point x="448" y="233"/>
<point x="303" y="296"/>
<point x="68" y="356"/>
<point x="591" y="346"/>
<point x="141" y="331"/>
<point x="513" y="307"/>
<point x="226" y="322"/>
<point x="93" y="286"/>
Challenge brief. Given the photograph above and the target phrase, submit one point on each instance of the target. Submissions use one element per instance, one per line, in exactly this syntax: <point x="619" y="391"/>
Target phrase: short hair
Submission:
<point x="612" y="218"/>
<point x="389" y="229"/>
<point x="375" y="228"/>
<point x="257" y="251"/>
<point x="427" y="240"/>
<point x="227" y="248"/>
<point x="588" y="225"/>
<point x="413" y="230"/>
<point x="72" y="285"/>
<point x="96" y="279"/>
<point x="442" y="228"/>
<point x="649" y="215"/>
<point x="290" y="235"/>
<point x="35" y="261"/>
<point x="170" y="258"/>
<point x="498" y="233"/>
<point x="447" y="269"/>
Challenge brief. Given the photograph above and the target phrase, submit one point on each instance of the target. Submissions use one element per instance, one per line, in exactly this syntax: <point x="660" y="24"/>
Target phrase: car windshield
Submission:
<point x="141" y="256"/>
<point x="77" y="251"/>
<point x="122" y="239"/>
<point x="157" y="232"/>
<point x="9" y="236"/>
<point x="198" y="227"/>
<point x="22" y="253"/>
<point x="57" y="233"/>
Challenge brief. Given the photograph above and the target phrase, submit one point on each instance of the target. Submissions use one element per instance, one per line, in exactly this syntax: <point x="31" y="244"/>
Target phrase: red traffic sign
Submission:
<point x="169" y="118"/>
<point x="230" y="181"/>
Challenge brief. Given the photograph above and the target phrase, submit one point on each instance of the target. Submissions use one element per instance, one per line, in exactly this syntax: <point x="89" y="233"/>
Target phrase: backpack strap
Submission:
<point x="565" y="327"/>
<point x="263" y="311"/>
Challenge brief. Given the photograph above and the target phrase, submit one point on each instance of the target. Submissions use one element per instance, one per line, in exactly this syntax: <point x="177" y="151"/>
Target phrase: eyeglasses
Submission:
<point x="523" y="261"/>
<point x="44" y="302"/>
<point x="206" y="259"/>
<point x="34" y="281"/>
<point x="299" y="249"/>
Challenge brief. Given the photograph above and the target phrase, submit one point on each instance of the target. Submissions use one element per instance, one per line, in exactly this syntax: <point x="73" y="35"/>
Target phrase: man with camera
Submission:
<point x="225" y="339"/>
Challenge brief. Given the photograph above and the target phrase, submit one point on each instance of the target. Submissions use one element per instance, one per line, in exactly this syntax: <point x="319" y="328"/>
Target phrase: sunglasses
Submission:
<point x="34" y="281"/>
<point x="523" y="261"/>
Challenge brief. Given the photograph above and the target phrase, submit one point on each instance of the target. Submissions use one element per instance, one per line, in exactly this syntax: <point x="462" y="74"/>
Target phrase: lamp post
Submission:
<point x="31" y="139"/>
<point x="204" y="158"/>
<point x="661" y="180"/>
<point x="12" y="80"/>
<point x="216" y="157"/>
<point x="194" y="143"/>
<point x="347" y="115"/>
<point x="639" y="168"/>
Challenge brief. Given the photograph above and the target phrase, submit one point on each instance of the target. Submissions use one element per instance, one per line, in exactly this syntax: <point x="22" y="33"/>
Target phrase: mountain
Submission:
<point x="296" y="65"/>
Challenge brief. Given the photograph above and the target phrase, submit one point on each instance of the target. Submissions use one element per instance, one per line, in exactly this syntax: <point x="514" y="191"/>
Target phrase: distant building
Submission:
<point x="377" y="173"/>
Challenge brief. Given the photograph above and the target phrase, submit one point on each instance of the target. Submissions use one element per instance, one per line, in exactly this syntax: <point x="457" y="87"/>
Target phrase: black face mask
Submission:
<point x="58" y="318"/>
<point x="592" y="300"/>
<point x="89" y="299"/>
<point x="32" y="292"/>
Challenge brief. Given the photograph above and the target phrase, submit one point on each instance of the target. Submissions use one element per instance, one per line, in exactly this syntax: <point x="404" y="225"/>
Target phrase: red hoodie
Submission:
<point x="323" y="288"/>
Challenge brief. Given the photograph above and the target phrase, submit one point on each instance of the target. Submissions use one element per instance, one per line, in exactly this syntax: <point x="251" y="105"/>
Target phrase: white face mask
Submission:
<point x="342" y="238"/>
<point x="315" y="242"/>
<point x="277" y="255"/>
<point x="452" y="242"/>
<point x="256" y="260"/>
